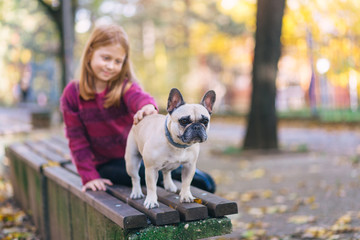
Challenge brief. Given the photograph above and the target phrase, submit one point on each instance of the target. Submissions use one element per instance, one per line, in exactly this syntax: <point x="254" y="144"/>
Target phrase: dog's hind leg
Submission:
<point x="168" y="182"/>
<point x="187" y="174"/>
<point x="133" y="161"/>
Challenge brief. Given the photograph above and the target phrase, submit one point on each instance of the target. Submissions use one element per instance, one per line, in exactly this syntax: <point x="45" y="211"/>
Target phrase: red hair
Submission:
<point x="101" y="36"/>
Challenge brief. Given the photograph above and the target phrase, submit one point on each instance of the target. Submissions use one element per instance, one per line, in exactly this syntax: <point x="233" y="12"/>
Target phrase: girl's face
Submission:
<point x="106" y="62"/>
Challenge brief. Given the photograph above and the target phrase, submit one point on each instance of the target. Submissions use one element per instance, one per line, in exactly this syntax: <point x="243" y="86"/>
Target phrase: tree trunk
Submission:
<point x="63" y="18"/>
<point x="262" y="121"/>
<point x="67" y="41"/>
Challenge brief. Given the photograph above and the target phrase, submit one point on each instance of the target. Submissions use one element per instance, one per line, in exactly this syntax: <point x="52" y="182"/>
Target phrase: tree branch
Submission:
<point x="54" y="13"/>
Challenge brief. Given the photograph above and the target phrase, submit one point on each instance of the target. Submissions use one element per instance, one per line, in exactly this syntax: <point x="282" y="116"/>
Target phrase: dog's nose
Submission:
<point x="196" y="127"/>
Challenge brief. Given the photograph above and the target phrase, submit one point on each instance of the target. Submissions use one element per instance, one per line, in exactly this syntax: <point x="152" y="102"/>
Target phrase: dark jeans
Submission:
<point x="115" y="170"/>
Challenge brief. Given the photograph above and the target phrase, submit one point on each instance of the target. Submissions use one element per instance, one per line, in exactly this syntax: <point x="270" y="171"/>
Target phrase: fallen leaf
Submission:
<point x="315" y="232"/>
<point x="298" y="202"/>
<point x="257" y="173"/>
<point x="220" y="177"/>
<point x="301" y="184"/>
<point x="267" y="194"/>
<point x="244" y="164"/>
<point x="276" y="209"/>
<point x="345" y="219"/>
<point x="277" y="179"/>
<point x="302" y="219"/>
<point x="314" y="206"/>
<point x="253" y="234"/>
<point x="271" y="210"/>
<point x="282" y="208"/>
<point x="292" y="196"/>
<point x="341" y="192"/>
<point x="257" y="212"/>
<point x="257" y="225"/>
<point x="341" y="228"/>
<point x="51" y="164"/>
<point x="248" y="196"/>
<point x="309" y="200"/>
<point x="231" y="196"/>
<point x="280" y="199"/>
<point x="248" y="234"/>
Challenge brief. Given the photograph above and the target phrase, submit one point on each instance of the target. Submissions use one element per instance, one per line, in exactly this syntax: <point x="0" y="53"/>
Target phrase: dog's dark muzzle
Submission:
<point x="195" y="133"/>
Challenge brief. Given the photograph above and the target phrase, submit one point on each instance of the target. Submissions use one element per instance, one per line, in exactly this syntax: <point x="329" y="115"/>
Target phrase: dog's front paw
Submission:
<point x="186" y="197"/>
<point x="136" y="194"/>
<point x="150" y="203"/>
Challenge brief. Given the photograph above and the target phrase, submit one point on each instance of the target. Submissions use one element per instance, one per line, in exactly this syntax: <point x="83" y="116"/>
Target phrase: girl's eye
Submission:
<point x="118" y="62"/>
<point x="106" y="58"/>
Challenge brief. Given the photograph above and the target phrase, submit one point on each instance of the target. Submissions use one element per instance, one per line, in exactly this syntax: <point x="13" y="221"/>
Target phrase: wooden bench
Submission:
<point x="47" y="186"/>
<point x="40" y="118"/>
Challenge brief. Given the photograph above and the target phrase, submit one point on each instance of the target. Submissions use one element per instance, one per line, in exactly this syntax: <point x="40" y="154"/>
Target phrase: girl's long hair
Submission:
<point x="101" y="36"/>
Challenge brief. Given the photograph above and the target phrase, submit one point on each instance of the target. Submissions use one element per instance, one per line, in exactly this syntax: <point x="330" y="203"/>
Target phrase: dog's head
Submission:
<point x="189" y="123"/>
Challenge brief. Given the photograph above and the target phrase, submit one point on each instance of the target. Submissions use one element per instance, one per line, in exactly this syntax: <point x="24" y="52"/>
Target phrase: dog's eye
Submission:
<point x="184" y="121"/>
<point x="204" y="121"/>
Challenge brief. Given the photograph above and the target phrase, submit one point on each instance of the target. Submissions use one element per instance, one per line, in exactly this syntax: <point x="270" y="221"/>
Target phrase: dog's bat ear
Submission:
<point x="208" y="100"/>
<point x="175" y="100"/>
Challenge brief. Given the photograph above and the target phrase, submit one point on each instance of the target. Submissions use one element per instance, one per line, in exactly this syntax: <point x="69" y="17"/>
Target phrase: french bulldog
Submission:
<point x="166" y="142"/>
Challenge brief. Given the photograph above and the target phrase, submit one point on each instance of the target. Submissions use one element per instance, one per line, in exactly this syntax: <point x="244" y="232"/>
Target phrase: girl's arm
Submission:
<point x="144" y="111"/>
<point x="82" y="155"/>
<point x="139" y="102"/>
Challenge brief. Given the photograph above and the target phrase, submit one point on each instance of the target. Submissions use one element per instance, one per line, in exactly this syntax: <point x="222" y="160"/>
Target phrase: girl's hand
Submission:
<point x="97" y="184"/>
<point x="144" y="111"/>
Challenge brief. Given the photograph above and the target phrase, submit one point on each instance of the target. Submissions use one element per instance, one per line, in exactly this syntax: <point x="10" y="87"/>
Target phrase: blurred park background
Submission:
<point x="193" y="45"/>
<point x="308" y="187"/>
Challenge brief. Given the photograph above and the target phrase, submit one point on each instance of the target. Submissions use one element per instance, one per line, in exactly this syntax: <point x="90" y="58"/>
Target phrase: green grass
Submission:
<point x="302" y="148"/>
<point x="295" y="114"/>
<point x="232" y="150"/>
<point x="323" y="115"/>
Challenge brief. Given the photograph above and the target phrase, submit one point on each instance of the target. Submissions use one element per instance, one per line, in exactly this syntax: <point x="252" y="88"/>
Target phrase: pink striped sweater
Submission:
<point x="97" y="134"/>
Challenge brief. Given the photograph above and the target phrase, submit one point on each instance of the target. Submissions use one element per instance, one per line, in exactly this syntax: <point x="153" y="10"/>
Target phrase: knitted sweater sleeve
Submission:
<point x="135" y="98"/>
<point x="75" y="131"/>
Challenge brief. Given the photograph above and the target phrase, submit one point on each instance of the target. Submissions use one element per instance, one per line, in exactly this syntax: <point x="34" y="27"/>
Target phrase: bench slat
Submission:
<point x="116" y="210"/>
<point x="119" y="212"/>
<point x="43" y="151"/>
<point x="71" y="167"/>
<point x="58" y="148"/>
<point x="27" y="155"/>
<point x="61" y="140"/>
<point x="158" y="216"/>
<point x="187" y="211"/>
<point x="217" y="206"/>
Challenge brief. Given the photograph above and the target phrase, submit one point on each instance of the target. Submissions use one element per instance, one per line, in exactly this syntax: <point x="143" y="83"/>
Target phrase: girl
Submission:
<point x="100" y="108"/>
